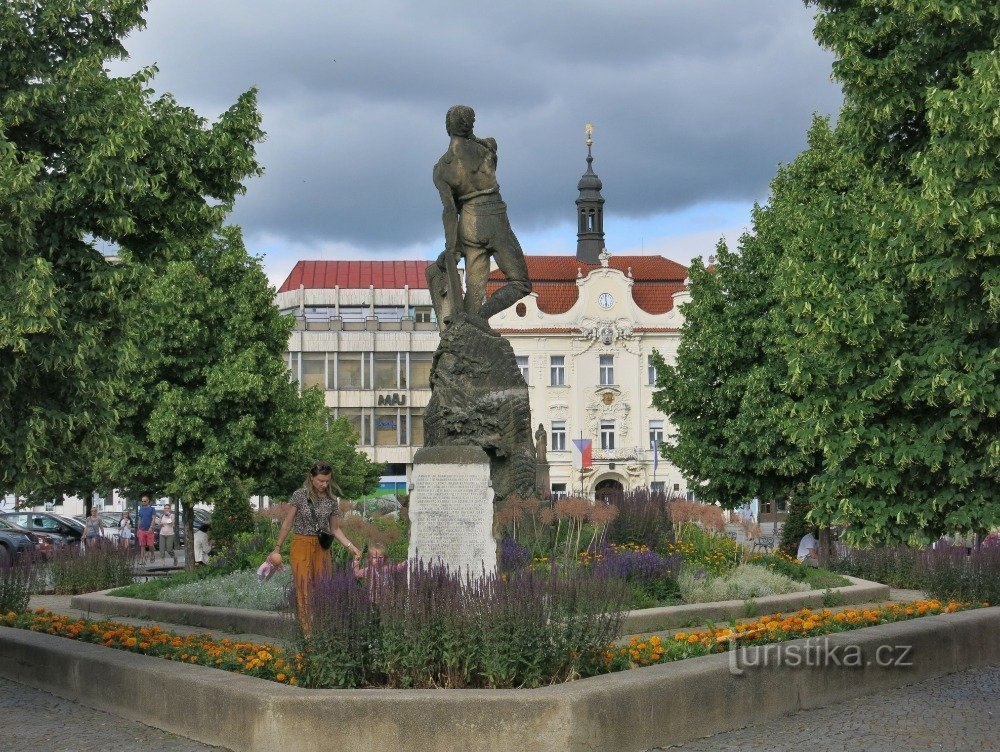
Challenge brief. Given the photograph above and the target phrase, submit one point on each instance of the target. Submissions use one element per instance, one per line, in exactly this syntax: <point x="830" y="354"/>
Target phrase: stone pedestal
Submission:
<point x="451" y="509"/>
<point x="479" y="399"/>
<point x="543" y="480"/>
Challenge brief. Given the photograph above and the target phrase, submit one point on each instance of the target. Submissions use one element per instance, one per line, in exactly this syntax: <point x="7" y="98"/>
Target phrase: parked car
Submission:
<point x="14" y="541"/>
<point x="47" y="522"/>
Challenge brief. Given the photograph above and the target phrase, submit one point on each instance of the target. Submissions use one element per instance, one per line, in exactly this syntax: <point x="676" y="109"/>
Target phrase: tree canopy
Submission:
<point x="854" y="339"/>
<point x="88" y="161"/>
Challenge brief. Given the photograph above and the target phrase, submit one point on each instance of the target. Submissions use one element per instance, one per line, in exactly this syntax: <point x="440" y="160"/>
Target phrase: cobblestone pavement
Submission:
<point x="957" y="713"/>
<point x="38" y="721"/>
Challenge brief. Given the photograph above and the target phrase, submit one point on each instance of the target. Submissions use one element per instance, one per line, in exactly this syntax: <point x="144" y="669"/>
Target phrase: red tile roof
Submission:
<point x="388" y="275"/>
<point x="553" y="278"/>
<point x="564" y="268"/>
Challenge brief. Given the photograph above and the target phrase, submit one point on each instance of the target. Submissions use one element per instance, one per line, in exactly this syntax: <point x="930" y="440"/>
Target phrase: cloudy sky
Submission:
<point x="694" y="104"/>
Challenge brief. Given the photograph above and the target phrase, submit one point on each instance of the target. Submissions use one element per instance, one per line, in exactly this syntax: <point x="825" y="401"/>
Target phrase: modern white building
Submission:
<point x="365" y="331"/>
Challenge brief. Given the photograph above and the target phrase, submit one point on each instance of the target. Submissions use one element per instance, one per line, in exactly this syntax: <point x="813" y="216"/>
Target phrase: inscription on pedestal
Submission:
<point x="451" y="516"/>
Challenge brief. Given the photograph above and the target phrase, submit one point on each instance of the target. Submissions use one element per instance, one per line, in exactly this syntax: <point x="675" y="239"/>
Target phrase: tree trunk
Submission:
<point x="824" y="546"/>
<point x="188" y="536"/>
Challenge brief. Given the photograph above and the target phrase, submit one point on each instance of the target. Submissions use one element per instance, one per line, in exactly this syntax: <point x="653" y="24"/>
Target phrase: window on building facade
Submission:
<point x="558" y="490"/>
<point x="350" y="371"/>
<point x="354" y="313"/>
<point x="389" y="313"/>
<point x="387" y="427"/>
<point x="607" y="370"/>
<point x="313" y="369"/>
<point x="422" y="314"/>
<point x="650" y="371"/>
<point x="416" y="427"/>
<point x="658" y="486"/>
<point x="655" y="433"/>
<point x="607" y="434"/>
<point x="387" y="370"/>
<point x="293" y="360"/>
<point x="522" y="363"/>
<point x="557" y="370"/>
<point x="420" y="370"/>
<point x="558" y="435"/>
<point x="360" y="420"/>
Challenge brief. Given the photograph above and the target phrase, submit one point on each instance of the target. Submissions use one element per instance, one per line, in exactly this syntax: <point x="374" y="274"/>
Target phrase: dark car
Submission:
<point x="47" y="522"/>
<point x="14" y="541"/>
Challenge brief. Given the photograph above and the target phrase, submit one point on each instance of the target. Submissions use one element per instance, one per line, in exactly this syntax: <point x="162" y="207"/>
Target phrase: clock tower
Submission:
<point x="589" y="210"/>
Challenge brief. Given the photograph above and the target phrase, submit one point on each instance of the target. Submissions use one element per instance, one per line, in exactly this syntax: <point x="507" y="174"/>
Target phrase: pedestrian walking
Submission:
<point x="92" y="530"/>
<point x="147" y="540"/>
<point x="167" y="534"/>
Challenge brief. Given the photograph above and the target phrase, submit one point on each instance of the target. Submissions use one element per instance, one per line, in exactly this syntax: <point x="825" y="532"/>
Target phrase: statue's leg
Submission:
<point x="437" y="283"/>
<point x="510" y="260"/>
<point x="477" y="271"/>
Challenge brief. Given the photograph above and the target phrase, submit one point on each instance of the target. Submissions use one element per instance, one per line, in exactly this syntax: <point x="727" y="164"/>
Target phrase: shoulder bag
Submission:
<point x="325" y="539"/>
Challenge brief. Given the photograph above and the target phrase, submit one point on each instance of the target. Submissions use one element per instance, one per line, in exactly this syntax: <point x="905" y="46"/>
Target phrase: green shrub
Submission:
<point x="703" y="549"/>
<point x="795" y="527"/>
<point x="235" y="590"/>
<point x="745" y="582"/>
<point x="151" y="589"/>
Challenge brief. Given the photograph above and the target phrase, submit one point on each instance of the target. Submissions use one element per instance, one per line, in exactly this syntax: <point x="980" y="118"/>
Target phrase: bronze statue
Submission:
<point x="476" y="228"/>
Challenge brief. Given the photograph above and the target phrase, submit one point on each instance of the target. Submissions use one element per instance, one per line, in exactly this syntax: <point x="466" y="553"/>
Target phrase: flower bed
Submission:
<point x="768" y="629"/>
<point x="269" y="662"/>
<point x="253" y="659"/>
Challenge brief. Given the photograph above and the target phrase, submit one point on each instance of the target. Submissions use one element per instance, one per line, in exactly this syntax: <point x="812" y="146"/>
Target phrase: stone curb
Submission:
<point x="698" y="614"/>
<point x="235" y="620"/>
<point x="270" y="624"/>
<point x="631" y="710"/>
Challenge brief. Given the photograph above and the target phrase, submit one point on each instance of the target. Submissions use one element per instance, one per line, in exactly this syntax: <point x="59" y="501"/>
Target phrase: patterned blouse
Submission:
<point x="304" y="524"/>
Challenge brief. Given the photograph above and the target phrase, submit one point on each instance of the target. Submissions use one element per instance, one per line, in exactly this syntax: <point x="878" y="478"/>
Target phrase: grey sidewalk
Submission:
<point x="957" y="713"/>
<point x="36" y="720"/>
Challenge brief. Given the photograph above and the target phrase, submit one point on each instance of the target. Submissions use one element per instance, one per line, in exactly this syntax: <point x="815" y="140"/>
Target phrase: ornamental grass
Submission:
<point x="428" y="627"/>
<point x="250" y="658"/>
<point x="777" y="627"/>
<point x="943" y="572"/>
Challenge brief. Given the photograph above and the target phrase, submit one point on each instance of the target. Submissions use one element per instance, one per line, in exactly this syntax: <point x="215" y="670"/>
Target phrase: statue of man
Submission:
<point x="541" y="443"/>
<point x="475" y="226"/>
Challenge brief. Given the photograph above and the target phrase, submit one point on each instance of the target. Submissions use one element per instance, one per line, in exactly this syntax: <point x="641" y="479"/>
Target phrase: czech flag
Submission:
<point x="582" y="453"/>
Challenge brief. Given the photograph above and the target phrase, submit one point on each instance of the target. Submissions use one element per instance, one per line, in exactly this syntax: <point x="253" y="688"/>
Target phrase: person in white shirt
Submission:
<point x="202" y="545"/>
<point x="807" y="553"/>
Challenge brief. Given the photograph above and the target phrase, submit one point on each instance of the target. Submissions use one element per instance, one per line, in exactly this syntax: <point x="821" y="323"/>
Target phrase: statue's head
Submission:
<point x="459" y="121"/>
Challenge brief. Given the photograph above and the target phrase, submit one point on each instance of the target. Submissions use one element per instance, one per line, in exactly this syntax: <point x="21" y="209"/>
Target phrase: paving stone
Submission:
<point x="36" y="720"/>
<point x="957" y="713"/>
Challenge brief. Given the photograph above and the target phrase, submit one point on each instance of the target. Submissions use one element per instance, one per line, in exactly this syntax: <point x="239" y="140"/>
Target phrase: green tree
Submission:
<point x="211" y="412"/>
<point x="893" y="289"/>
<point x="88" y="161"/>
<point x="724" y="394"/>
<point x="319" y="437"/>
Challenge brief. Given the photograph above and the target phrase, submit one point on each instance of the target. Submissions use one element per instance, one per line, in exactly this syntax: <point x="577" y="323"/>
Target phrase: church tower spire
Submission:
<point x="589" y="210"/>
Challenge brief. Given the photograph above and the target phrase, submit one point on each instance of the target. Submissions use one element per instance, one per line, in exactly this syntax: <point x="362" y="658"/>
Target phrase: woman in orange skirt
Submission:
<point x="314" y="509"/>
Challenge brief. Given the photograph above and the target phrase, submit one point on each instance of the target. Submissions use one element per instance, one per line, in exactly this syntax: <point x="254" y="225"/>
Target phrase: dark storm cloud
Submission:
<point x="691" y="101"/>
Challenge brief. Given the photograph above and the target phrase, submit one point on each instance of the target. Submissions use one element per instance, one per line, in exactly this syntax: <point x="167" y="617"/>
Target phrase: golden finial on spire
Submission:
<point x="589" y="130"/>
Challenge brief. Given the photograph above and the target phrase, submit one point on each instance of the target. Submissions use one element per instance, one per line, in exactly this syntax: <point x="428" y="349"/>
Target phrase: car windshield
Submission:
<point x="75" y="524"/>
<point x="6" y="524"/>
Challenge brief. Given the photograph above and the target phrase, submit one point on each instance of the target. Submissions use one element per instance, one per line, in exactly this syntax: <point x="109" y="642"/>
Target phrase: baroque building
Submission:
<point x="365" y="332"/>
